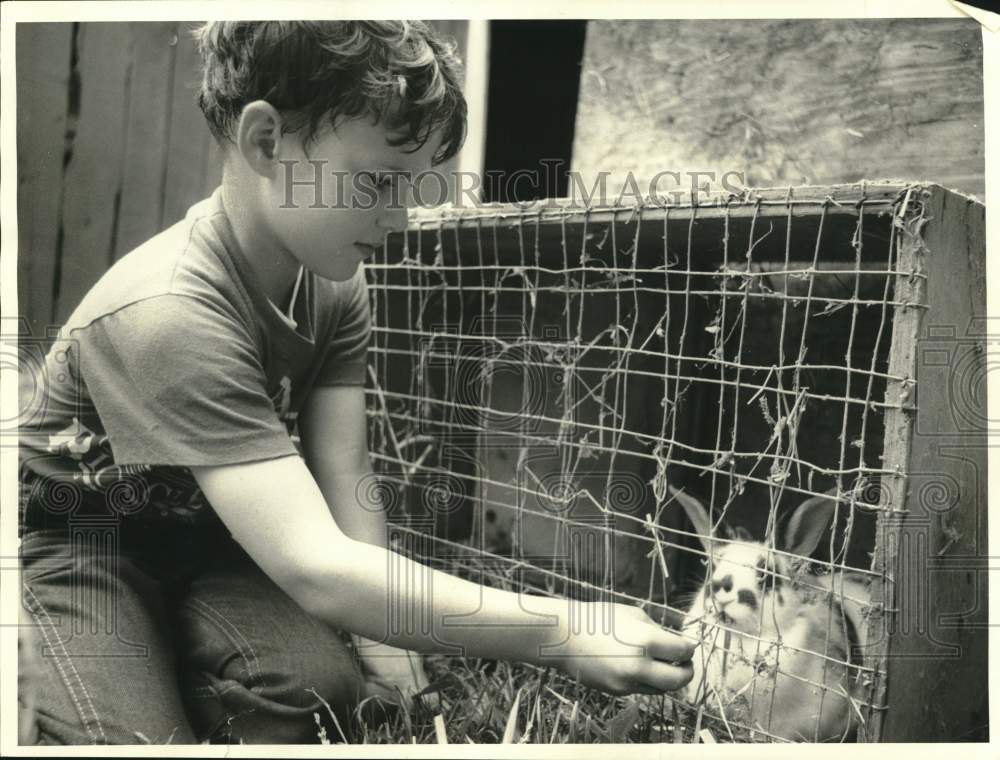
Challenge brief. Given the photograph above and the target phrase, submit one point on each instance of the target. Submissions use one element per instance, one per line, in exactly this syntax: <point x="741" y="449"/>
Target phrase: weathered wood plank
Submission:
<point x="43" y="74"/>
<point x="146" y="131"/>
<point x="784" y="101"/>
<point x="897" y="435"/>
<point x="189" y="162"/>
<point x="560" y="222"/>
<point x="805" y="200"/>
<point x="936" y="686"/>
<point x="93" y="177"/>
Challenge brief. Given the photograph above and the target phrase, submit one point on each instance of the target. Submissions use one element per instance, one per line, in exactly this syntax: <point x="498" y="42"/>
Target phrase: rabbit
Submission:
<point x="754" y="598"/>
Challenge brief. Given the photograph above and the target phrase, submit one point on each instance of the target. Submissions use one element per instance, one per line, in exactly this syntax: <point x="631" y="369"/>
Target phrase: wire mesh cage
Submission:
<point x="703" y="408"/>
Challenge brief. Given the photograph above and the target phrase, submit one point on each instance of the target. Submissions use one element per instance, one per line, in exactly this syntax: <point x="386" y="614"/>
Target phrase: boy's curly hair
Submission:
<point x="317" y="73"/>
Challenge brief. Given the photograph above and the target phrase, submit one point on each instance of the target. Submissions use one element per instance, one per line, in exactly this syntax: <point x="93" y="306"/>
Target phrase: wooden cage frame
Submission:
<point x="931" y="533"/>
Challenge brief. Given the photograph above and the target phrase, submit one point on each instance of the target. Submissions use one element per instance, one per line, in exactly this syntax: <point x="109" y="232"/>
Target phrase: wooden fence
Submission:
<point x="111" y="149"/>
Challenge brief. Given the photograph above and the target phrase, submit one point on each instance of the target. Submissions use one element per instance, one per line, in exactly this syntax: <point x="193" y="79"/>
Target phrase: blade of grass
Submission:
<point x="534" y="712"/>
<point x="439" y="731"/>
<point x="332" y="715"/>
<point x="722" y="712"/>
<point x="321" y="732"/>
<point x="697" y="720"/>
<point x="511" y="727"/>
<point x="678" y="733"/>
<point x="558" y="696"/>
<point x="555" y="727"/>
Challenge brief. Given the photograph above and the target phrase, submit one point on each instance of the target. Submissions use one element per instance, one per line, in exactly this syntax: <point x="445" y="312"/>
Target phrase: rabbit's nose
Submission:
<point x="725" y="583"/>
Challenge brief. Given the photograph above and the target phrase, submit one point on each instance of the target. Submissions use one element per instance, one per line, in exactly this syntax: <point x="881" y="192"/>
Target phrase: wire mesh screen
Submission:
<point x="677" y="406"/>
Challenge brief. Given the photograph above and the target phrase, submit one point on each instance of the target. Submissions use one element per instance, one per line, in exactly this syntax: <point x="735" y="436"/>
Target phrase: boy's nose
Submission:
<point x="394" y="219"/>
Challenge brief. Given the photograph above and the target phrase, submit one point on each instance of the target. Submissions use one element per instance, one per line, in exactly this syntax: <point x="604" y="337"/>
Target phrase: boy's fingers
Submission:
<point x="641" y="688"/>
<point x="636" y="613"/>
<point x="659" y="677"/>
<point x="672" y="647"/>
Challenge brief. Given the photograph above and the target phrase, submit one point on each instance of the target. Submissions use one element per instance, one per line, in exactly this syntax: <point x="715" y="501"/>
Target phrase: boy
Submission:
<point x="185" y="567"/>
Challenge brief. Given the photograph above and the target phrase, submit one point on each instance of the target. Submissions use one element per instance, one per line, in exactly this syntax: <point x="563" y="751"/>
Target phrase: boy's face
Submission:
<point x="332" y="204"/>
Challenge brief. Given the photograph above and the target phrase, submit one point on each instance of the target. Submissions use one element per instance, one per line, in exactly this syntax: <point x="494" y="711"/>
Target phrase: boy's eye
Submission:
<point x="379" y="180"/>
<point x="382" y="180"/>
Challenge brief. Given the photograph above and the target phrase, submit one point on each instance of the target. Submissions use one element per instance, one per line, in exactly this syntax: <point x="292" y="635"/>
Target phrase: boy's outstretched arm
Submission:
<point x="334" y="430"/>
<point x="277" y="512"/>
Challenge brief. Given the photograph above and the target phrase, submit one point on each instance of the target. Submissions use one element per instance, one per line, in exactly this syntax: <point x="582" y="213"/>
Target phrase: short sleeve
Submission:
<point x="346" y="360"/>
<point x="176" y="380"/>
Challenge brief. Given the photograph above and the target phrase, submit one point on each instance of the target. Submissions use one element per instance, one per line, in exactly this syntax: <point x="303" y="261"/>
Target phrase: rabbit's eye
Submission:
<point x="765" y="575"/>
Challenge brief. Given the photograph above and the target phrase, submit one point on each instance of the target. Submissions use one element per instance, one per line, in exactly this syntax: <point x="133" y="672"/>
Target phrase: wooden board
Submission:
<point x="43" y="71"/>
<point x="192" y="167"/>
<point x="94" y="174"/>
<point x="147" y="124"/>
<point x="935" y="541"/>
<point x="784" y="101"/>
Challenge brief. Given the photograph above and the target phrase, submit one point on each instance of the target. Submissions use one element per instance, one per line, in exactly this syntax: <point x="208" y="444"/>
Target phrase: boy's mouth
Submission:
<point x="367" y="250"/>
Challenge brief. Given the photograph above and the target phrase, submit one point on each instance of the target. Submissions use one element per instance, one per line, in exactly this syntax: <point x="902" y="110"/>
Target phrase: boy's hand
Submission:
<point x="619" y="649"/>
<point x="392" y="674"/>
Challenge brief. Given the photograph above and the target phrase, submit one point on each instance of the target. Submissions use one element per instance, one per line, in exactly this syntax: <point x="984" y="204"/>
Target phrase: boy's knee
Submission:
<point x="320" y="666"/>
<point x="283" y="665"/>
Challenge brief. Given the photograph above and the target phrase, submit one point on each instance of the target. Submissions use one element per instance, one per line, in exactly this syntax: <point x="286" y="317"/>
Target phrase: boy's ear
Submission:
<point x="258" y="136"/>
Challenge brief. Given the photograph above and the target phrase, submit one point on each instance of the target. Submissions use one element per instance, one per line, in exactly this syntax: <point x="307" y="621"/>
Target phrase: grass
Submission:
<point x="493" y="701"/>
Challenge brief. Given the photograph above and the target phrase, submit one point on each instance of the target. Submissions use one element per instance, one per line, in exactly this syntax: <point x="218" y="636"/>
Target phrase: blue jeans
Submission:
<point x="171" y="635"/>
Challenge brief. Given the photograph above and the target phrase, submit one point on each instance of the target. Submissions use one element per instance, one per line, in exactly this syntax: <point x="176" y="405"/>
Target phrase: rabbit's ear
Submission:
<point x="697" y="514"/>
<point x="808" y="523"/>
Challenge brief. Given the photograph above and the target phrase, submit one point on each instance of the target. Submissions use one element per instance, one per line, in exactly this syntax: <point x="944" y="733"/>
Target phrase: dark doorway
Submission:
<point x="534" y="82"/>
